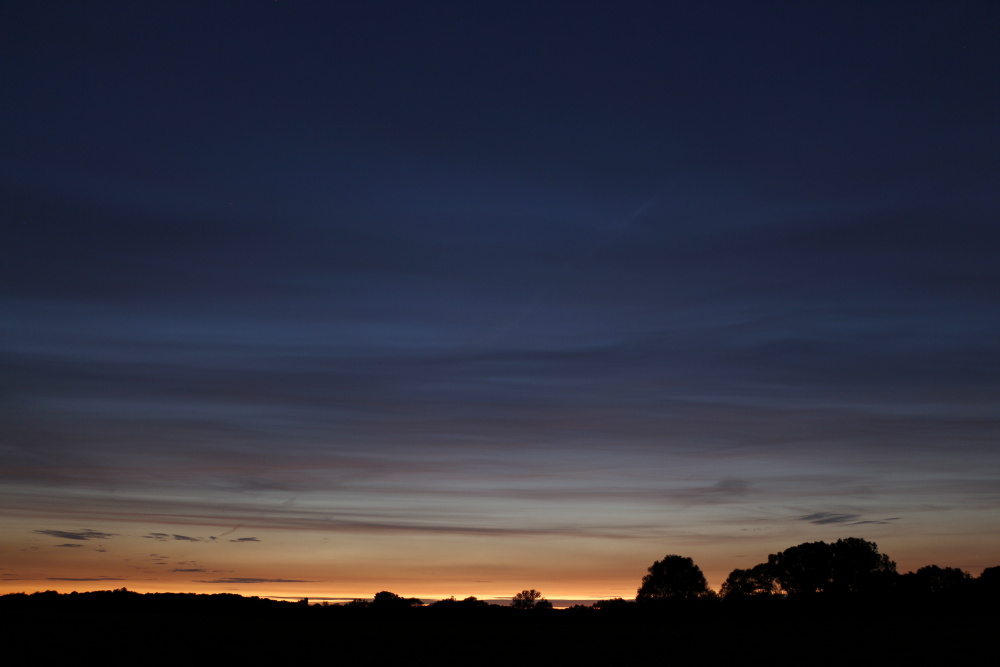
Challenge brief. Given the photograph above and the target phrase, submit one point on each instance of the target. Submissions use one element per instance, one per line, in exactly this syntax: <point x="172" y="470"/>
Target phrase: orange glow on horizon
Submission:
<point x="295" y="564"/>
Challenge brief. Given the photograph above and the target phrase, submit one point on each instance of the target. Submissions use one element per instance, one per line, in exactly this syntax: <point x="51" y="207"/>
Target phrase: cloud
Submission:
<point x="252" y="580"/>
<point x="230" y="531"/>
<point x="85" y="534"/>
<point x="245" y="539"/>
<point x="69" y="545"/>
<point x="84" y="579"/>
<point x="730" y="485"/>
<point x="824" y="518"/>
<point x="165" y="537"/>
<point x="872" y="521"/>
<point x="188" y="569"/>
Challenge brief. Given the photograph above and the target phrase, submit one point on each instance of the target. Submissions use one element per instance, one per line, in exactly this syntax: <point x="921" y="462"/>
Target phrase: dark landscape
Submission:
<point x="820" y="607"/>
<point x="618" y="321"/>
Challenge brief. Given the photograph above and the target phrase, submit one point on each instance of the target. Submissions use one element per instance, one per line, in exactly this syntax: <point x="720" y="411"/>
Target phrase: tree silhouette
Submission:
<point x="673" y="577"/>
<point x="989" y="580"/>
<point x="936" y="580"/>
<point x="857" y="566"/>
<point x="849" y="565"/>
<point x="528" y="599"/>
<point x="757" y="580"/>
<point x="387" y="600"/>
<point x="802" y="569"/>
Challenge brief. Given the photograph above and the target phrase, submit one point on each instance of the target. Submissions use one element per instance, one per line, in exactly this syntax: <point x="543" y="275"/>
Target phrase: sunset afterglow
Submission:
<point x="460" y="299"/>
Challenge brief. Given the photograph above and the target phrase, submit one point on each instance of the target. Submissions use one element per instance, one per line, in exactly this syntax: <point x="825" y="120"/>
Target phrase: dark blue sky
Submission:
<point x="640" y="276"/>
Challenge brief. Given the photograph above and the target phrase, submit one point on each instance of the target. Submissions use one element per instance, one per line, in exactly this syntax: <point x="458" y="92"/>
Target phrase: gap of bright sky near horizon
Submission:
<point x="461" y="298"/>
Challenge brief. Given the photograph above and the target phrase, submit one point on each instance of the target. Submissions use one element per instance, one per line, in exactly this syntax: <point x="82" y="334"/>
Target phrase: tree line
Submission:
<point x="849" y="566"/>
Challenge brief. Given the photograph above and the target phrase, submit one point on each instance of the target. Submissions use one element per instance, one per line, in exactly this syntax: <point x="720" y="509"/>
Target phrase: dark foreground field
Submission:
<point x="799" y="636"/>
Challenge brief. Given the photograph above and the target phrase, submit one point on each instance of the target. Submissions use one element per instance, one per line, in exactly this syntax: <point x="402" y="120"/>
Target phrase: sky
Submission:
<point x="455" y="298"/>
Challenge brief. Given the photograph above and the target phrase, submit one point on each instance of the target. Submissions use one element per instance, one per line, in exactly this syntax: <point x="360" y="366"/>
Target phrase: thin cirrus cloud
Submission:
<point x="253" y="580"/>
<point x="824" y="518"/>
<point x="85" y="534"/>
<point x="485" y="509"/>
<point x="167" y="537"/>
